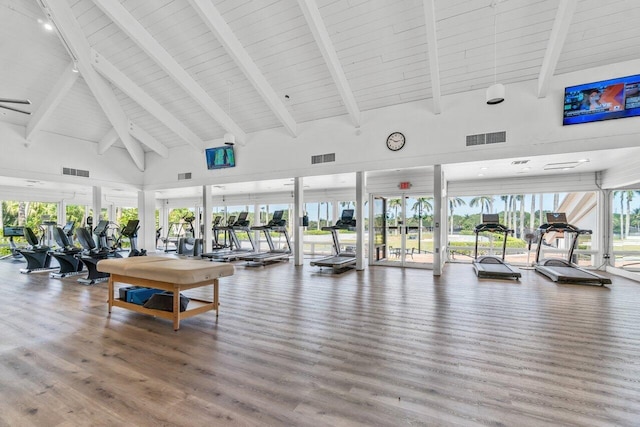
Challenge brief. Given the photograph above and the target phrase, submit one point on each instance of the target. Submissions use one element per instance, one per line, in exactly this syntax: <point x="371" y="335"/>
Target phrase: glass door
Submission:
<point x="403" y="232"/>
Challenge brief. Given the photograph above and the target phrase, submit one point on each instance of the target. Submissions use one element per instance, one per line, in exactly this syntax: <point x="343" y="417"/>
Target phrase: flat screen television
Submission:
<point x="608" y="99"/>
<point x="220" y="157"/>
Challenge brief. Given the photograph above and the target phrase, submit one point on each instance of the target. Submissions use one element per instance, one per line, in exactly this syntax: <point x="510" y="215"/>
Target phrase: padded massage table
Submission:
<point x="168" y="274"/>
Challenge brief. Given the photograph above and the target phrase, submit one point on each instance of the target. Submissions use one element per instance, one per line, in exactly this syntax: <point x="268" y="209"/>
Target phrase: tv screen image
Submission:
<point x="608" y="99"/>
<point x="220" y="157"/>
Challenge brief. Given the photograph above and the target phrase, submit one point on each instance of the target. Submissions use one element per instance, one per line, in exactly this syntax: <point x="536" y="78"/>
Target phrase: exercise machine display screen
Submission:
<point x="556" y="218"/>
<point x="490" y="218"/>
<point x="9" y="231"/>
<point x="101" y="228"/>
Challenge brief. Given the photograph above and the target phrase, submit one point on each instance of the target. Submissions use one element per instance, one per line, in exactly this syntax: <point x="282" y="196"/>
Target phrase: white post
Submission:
<point x="147" y="217"/>
<point x="97" y="204"/>
<point x="360" y="199"/>
<point x="438" y="208"/>
<point x="207" y="211"/>
<point x="298" y="212"/>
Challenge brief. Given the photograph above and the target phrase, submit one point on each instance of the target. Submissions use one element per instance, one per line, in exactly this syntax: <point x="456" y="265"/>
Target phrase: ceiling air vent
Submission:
<point x="486" y="138"/>
<point x="475" y="139"/>
<point x="323" y="158"/>
<point x="520" y="162"/>
<point x="496" y="137"/>
<point x="183" y="176"/>
<point x="75" y="172"/>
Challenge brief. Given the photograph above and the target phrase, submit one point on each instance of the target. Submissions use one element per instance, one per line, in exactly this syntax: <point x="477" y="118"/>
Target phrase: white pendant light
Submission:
<point x="495" y="92"/>
<point x="229" y="138"/>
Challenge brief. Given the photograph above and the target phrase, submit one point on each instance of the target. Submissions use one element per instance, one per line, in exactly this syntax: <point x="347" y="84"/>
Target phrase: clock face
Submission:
<point x="395" y="141"/>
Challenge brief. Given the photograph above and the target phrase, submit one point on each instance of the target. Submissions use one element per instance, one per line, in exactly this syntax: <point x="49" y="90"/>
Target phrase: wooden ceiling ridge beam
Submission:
<point x="558" y="36"/>
<point x="54" y="97"/>
<point x="321" y="36"/>
<point x="141" y="37"/>
<point x="144" y="137"/>
<point x="71" y="34"/>
<point x="107" y="141"/>
<point x="432" y="51"/>
<point x="219" y="27"/>
<point x="135" y="92"/>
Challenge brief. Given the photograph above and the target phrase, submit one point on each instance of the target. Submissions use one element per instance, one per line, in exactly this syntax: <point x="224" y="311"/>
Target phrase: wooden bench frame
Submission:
<point x="200" y="306"/>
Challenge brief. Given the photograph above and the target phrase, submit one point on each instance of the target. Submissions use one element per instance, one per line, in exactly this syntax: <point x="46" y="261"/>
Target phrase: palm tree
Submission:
<point x="483" y="202"/>
<point x="453" y="203"/>
<point x="628" y="221"/>
<point x="506" y="209"/>
<point x="395" y="204"/>
<point x="318" y="224"/>
<point x="532" y="213"/>
<point x="521" y="199"/>
<point x="422" y="203"/>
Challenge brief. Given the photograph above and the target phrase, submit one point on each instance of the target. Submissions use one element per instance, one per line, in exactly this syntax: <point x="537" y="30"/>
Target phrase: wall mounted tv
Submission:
<point x="608" y="99"/>
<point x="220" y="157"/>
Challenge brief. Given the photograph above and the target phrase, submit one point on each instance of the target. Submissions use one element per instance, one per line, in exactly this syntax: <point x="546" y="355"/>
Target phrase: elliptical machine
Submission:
<point x="130" y="231"/>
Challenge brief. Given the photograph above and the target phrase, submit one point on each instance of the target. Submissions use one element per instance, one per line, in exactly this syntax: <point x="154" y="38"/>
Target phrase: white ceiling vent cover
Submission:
<point x="75" y="172"/>
<point x="486" y="138"/>
<point x="323" y="158"/>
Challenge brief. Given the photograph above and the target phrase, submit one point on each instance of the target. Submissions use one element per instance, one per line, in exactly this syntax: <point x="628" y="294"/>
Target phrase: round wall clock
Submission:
<point x="395" y="141"/>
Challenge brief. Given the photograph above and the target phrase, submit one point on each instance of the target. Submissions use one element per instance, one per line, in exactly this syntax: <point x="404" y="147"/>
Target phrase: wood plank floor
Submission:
<point x="296" y="346"/>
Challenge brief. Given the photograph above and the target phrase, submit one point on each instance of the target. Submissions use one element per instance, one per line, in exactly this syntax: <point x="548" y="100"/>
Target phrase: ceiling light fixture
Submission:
<point x="495" y="92"/>
<point x="229" y="138"/>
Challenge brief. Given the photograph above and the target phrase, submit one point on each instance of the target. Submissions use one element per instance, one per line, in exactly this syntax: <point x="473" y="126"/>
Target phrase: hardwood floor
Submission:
<point x="296" y="346"/>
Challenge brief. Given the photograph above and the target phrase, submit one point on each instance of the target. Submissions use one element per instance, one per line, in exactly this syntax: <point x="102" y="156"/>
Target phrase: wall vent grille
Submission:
<point x="486" y="138"/>
<point x="75" y="172"/>
<point x="323" y="158"/>
<point x="183" y="176"/>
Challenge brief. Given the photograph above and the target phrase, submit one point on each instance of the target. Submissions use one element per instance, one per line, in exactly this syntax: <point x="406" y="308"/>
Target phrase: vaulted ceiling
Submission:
<point x="161" y="74"/>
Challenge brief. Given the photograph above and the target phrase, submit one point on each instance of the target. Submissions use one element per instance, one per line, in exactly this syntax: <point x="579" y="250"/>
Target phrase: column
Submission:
<point x="298" y="212"/>
<point x="96" y="204"/>
<point x="147" y="217"/>
<point x="207" y="211"/>
<point x="360" y="199"/>
<point x="439" y="212"/>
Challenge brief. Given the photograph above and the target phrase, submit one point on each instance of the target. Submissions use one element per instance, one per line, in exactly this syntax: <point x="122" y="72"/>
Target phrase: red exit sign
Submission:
<point x="405" y="185"/>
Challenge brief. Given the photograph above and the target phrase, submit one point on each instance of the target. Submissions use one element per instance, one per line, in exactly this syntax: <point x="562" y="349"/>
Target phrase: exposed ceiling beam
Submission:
<point x="70" y="32"/>
<point x="141" y="135"/>
<point x="133" y="91"/>
<point x="107" y="141"/>
<point x="57" y="94"/>
<point x="432" y="51"/>
<point x="219" y="27"/>
<point x="130" y="26"/>
<point x="321" y="35"/>
<point x="559" y="32"/>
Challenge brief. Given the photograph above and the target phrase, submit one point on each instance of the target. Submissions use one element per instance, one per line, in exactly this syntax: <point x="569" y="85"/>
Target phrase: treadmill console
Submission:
<point x="242" y="220"/>
<point x="277" y="220"/>
<point x="491" y="223"/>
<point x="346" y="219"/>
<point x="556" y="218"/>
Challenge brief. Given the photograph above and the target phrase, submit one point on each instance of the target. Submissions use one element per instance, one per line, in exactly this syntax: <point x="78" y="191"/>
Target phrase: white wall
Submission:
<point x="45" y="157"/>
<point x="534" y="127"/>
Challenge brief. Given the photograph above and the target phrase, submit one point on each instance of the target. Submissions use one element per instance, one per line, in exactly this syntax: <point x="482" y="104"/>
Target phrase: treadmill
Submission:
<point x="561" y="270"/>
<point x="491" y="266"/>
<point x="279" y="225"/>
<point x="236" y="249"/>
<point x="341" y="261"/>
